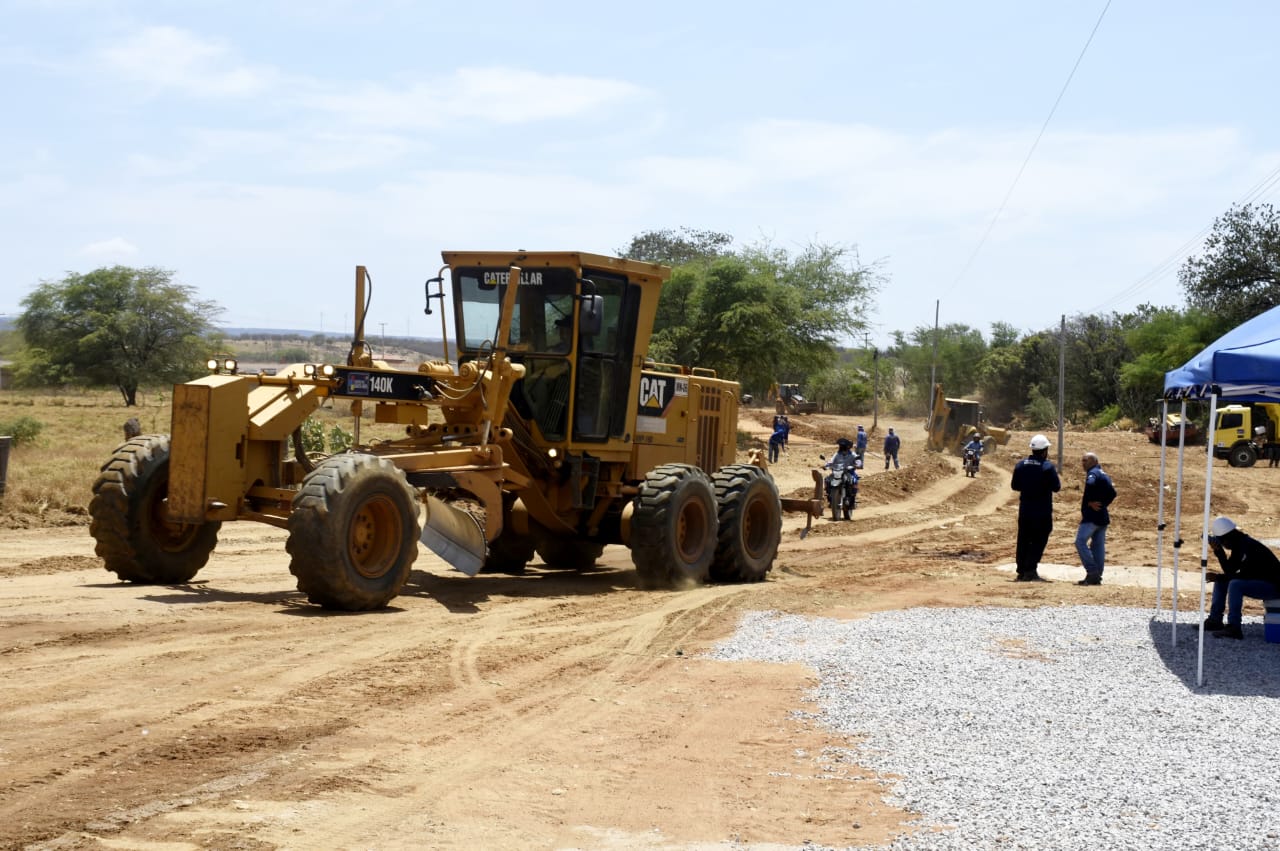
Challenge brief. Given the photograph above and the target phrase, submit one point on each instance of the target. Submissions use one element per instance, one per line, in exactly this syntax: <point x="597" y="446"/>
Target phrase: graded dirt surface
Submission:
<point x="549" y="710"/>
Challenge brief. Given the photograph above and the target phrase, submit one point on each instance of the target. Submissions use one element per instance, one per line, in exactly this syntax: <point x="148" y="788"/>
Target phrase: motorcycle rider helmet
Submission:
<point x="844" y="443"/>
<point x="1039" y="442"/>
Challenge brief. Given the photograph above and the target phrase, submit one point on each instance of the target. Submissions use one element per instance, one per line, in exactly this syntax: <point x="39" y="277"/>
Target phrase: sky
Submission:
<point x="262" y="150"/>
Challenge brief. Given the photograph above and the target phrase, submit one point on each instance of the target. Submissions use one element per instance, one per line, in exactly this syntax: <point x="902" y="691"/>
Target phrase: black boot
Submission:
<point x="1231" y="630"/>
<point x="1212" y="624"/>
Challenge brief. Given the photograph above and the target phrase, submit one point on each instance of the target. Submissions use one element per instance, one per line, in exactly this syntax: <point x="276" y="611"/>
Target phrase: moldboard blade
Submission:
<point x="454" y="535"/>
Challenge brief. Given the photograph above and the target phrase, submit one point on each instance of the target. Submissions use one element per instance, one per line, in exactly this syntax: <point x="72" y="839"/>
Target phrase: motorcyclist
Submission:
<point x="844" y="458"/>
<point x="975" y="443"/>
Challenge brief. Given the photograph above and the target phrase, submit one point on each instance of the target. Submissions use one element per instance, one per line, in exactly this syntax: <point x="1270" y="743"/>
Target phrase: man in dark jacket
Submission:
<point x="1091" y="537"/>
<point x="891" y="444"/>
<point x="1250" y="570"/>
<point x="1036" y="481"/>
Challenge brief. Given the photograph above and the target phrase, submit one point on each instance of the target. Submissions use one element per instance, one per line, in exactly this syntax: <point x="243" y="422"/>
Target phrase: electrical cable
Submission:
<point x="1009" y="194"/>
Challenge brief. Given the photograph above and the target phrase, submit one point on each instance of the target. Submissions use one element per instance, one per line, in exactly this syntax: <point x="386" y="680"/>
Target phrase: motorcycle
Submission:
<point x="842" y="492"/>
<point x="971" y="462"/>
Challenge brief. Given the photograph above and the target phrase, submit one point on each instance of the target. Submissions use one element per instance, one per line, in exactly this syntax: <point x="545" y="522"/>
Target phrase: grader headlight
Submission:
<point x="212" y="364"/>
<point x="229" y="366"/>
<point x="309" y="370"/>
<point x="328" y="370"/>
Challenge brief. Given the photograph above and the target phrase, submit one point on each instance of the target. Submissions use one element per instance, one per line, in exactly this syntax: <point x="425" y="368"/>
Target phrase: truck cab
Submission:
<point x="1242" y="430"/>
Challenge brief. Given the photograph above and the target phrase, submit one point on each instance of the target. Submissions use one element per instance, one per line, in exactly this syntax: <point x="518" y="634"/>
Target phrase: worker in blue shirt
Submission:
<point x="1036" y="481"/>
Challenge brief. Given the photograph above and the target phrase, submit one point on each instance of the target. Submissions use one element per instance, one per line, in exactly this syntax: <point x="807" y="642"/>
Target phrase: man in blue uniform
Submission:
<point x="1249" y="570"/>
<point x="1091" y="537"/>
<point x="860" y="445"/>
<point x="1036" y="481"/>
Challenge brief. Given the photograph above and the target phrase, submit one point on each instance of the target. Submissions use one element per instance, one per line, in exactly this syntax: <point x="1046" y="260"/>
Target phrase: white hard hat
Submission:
<point x="1222" y="526"/>
<point x="1039" y="442"/>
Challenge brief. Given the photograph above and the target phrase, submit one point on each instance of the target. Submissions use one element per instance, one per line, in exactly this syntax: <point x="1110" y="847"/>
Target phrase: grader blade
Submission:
<point x="454" y="535"/>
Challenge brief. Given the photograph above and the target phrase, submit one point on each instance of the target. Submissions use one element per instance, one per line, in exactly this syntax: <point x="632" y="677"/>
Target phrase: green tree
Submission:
<point x="117" y="326"/>
<point x="763" y="314"/>
<point x="1238" y="274"/>
<point x="960" y="350"/>
<point x="1162" y="339"/>
<point x="678" y="247"/>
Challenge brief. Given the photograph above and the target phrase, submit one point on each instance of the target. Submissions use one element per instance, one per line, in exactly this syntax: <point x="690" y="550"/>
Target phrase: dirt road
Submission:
<point x="550" y="710"/>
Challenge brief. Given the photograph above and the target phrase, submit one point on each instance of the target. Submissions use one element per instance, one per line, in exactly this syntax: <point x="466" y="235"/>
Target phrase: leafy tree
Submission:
<point x="842" y="389"/>
<point x="1238" y="274"/>
<point x="763" y="314"/>
<point x="678" y="247"/>
<point x="960" y="350"/>
<point x="1162" y="339"/>
<point x="1003" y="334"/>
<point x="119" y="326"/>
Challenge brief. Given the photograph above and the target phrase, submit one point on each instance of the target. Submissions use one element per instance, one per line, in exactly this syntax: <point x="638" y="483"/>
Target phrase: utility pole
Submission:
<point x="875" y="382"/>
<point x="383" y="325"/>
<point x="1062" y="381"/>
<point x="933" y="367"/>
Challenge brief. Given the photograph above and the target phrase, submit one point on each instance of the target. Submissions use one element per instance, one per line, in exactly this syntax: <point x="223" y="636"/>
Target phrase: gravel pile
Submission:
<point x="1053" y="728"/>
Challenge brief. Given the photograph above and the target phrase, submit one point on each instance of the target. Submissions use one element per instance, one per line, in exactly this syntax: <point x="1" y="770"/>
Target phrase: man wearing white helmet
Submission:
<point x="1036" y="481"/>
<point x="1249" y="570"/>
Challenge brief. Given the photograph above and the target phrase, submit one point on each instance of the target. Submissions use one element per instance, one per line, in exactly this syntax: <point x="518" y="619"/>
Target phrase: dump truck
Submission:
<point x="1242" y="431"/>
<point x="787" y="400"/>
<point x="952" y="421"/>
<point x="551" y="433"/>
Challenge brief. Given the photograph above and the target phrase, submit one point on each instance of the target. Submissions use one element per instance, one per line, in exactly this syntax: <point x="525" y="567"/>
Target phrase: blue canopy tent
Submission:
<point x="1241" y="365"/>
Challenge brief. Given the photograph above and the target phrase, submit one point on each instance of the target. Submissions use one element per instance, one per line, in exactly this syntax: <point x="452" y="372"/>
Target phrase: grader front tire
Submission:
<point x="353" y="533"/>
<point x="673" y="530"/>
<point x="134" y="537"/>
<point x="750" y="524"/>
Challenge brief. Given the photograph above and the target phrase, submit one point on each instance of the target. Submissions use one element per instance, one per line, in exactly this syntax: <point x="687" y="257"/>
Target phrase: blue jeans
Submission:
<point x="1230" y="595"/>
<point x="773" y="451"/>
<point x="1091" y="544"/>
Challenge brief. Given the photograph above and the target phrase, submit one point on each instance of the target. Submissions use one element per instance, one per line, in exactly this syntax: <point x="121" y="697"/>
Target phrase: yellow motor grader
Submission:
<point x="551" y="432"/>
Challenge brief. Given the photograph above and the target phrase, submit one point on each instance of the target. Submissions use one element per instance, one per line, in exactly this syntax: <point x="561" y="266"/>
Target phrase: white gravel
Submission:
<point x="1052" y="728"/>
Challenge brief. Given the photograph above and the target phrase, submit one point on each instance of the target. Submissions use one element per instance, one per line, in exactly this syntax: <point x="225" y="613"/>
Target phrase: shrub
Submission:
<point x="1106" y="417"/>
<point x="23" y="430"/>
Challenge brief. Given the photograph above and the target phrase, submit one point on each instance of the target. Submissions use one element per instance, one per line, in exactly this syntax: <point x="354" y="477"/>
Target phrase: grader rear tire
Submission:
<point x="673" y="530"/>
<point x="563" y="553"/>
<point x="134" y="538"/>
<point x="750" y="523"/>
<point x="353" y="533"/>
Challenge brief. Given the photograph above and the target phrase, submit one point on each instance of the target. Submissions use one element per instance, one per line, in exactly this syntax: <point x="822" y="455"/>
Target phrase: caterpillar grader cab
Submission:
<point x="551" y="433"/>
<point x="951" y="421"/>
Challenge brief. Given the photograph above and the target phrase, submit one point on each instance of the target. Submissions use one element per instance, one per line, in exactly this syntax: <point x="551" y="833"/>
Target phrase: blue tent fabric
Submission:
<point x="1243" y="364"/>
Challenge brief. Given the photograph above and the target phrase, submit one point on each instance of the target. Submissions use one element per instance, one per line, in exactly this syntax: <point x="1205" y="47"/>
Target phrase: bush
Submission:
<point x="23" y="430"/>
<point x="1107" y="417"/>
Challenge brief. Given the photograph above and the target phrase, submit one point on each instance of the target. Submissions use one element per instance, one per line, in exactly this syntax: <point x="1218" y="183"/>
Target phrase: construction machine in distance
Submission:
<point x="951" y="421"/>
<point x="551" y="433"/>
<point x="786" y="399"/>
<point x="1242" y="431"/>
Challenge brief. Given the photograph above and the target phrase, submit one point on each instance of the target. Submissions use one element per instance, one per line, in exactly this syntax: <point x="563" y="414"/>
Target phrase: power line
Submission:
<point x="1261" y="190"/>
<point x="991" y="226"/>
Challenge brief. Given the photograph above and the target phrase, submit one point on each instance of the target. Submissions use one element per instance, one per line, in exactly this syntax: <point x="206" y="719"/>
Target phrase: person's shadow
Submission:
<point x="1248" y="668"/>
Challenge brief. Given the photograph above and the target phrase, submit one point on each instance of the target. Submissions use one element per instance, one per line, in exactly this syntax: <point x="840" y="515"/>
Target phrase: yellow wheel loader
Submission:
<point x="551" y="433"/>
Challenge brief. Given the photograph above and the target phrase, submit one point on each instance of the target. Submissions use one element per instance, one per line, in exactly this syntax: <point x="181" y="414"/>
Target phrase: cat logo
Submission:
<point x="653" y="392"/>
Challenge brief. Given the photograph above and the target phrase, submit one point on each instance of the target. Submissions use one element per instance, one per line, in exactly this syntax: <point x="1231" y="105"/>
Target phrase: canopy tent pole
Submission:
<point x="1177" y="527"/>
<point x="1164" y="418"/>
<point x="1204" y="531"/>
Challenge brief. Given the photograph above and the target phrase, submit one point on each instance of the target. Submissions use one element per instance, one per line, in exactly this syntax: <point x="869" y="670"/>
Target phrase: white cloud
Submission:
<point x="171" y="58"/>
<point x="116" y="247"/>
<point x="494" y="95"/>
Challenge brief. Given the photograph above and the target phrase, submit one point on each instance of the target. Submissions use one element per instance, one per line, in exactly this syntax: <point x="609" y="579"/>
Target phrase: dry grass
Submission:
<point x="49" y="482"/>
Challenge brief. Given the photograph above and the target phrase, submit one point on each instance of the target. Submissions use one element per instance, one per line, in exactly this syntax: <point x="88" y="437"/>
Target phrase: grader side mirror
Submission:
<point x="591" y="315"/>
